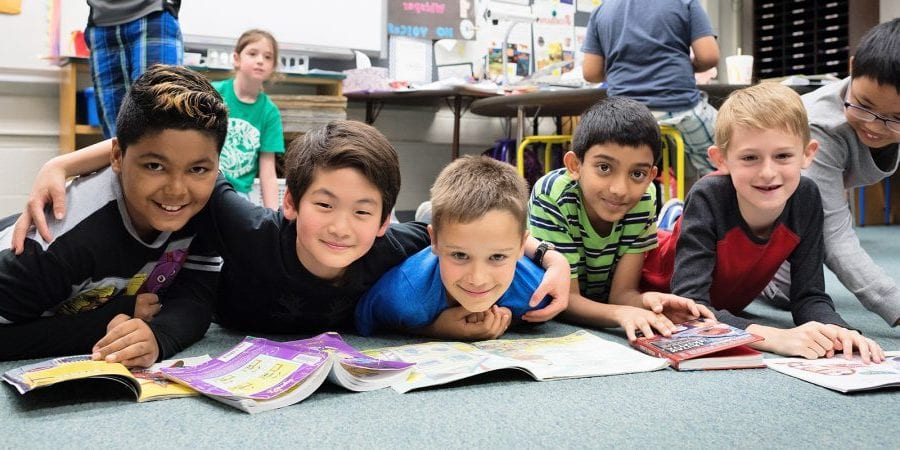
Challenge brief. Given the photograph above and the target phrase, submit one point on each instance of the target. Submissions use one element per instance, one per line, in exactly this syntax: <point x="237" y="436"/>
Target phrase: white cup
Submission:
<point x="740" y="69"/>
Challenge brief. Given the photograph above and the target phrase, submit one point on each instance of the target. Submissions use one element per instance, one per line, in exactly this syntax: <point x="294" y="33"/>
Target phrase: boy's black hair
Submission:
<point x="617" y="120"/>
<point x="878" y="54"/>
<point x="344" y="144"/>
<point x="171" y="98"/>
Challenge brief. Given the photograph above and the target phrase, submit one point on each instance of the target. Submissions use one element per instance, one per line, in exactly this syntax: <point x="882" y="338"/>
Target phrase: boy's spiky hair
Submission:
<point x="171" y="97"/>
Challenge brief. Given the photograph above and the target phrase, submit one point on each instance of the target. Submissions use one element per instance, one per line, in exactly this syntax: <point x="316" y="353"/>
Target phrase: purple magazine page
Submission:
<point x="256" y="368"/>
<point x="346" y="354"/>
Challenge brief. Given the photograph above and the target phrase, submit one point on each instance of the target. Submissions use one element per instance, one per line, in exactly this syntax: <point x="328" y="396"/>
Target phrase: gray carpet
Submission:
<point x="757" y="408"/>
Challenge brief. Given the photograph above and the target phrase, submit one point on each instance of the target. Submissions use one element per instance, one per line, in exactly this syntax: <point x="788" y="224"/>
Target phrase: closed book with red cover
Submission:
<point x="702" y="344"/>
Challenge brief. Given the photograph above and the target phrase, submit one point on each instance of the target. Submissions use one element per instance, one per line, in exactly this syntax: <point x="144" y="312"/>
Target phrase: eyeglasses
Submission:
<point x="867" y="116"/>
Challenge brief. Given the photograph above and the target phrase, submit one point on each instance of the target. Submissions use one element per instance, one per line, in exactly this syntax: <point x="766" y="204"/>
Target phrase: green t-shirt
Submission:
<point x="252" y="128"/>
<point x="557" y="215"/>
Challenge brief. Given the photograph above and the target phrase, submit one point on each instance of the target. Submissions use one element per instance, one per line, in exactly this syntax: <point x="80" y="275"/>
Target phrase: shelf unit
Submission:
<point x="808" y="37"/>
<point x="75" y="75"/>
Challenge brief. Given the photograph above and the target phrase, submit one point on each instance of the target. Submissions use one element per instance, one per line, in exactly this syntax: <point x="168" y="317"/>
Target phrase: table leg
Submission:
<point x="520" y="125"/>
<point x="457" y="112"/>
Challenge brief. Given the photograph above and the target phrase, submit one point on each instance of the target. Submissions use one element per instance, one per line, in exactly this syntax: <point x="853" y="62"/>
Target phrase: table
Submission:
<point x="458" y="99"/>
<point x="573" y="102"/>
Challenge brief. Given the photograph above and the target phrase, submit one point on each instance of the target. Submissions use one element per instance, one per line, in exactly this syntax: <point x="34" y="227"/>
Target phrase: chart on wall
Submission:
<point x="447" y="19"/>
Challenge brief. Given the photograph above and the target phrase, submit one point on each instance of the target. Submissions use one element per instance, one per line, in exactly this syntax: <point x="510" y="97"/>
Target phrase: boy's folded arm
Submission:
<point x="61" y="334"/>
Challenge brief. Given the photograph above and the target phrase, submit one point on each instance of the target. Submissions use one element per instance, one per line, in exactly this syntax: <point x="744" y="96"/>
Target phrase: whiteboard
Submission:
<point x="314" y="27"/>
<point x="318" y="27"/>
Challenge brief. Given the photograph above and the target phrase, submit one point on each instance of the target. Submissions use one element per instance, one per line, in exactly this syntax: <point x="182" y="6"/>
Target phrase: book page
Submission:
<point x="841" y="374"/>
<point x="580" y="354"/>
<point x="256" y="369"/>
<point x="352" y="369"/>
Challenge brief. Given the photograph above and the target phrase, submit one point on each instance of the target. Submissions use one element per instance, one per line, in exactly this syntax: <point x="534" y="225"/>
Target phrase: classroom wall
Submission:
<point x="29" y="124"/>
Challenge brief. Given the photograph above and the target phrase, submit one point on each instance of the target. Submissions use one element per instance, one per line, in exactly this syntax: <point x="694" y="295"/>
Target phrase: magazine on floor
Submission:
<point x="577" y="355"/>
<point x="147" y="384"/>
<point x="841" y="374"/>
<point x="259" y="374"/>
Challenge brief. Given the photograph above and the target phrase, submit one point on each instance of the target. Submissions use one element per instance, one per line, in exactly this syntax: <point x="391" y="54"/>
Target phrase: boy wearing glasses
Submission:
<point x="857" y="124"/>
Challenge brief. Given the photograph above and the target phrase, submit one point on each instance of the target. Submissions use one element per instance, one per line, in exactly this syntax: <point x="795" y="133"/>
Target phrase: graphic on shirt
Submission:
<point x="240" y="150"/>
<point x="152" y="277"/>
<point x="164" y="273"/>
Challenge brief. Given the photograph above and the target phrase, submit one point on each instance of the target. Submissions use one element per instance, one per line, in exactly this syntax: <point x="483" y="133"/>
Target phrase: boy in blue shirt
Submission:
<point x="473" y="279"/>
<point x="133" y="240"/>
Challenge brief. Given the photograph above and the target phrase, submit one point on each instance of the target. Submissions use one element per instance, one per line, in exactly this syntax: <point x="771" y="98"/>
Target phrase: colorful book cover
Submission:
<point x="694" y="339"/>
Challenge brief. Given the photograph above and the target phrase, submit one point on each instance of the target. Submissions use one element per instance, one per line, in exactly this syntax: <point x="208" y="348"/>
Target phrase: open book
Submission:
<point x="259" y="374"/>
<point x="580" y="354"/>
<point x="841" y="374"/>
<point x="146" y="384"/>
<point x="702" y="344"/>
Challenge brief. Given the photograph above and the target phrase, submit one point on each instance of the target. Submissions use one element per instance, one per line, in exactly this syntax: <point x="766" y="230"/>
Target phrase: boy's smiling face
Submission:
<point x="337" y="220"/>
<point x="478" y="259"/>
<point x="166" y="178"/>
<point x="765" y="169"/>
<point x="613" y="178"/>
<point x="880" y="99"/>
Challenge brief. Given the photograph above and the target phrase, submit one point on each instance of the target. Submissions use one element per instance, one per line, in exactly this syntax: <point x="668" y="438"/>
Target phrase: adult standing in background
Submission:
<point x="642" y="49"/>
<point x="125" y="37"/>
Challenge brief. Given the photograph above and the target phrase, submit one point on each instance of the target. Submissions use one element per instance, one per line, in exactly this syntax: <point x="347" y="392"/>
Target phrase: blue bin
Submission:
<point x="87" y="108"/>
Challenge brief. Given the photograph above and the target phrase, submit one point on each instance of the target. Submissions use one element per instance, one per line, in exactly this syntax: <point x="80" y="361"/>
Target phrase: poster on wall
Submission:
<point x="518" y="35"/>
<point x="554" y="36"/>
<point x="588" y="5"/>
<point x="447" y="19"/>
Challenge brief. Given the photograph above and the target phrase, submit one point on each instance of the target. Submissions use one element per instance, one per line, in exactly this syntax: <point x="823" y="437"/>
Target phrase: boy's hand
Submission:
<point x="811" y="340"/>
<point x="677" y="309"/>
<point x="146" y="306"/>
<point x="459" y="323"/>
<point x="632" y="319"/>
<point x="846" y="340"/>
<point x="49" y="188"/>
<point x="555" y="283"/>
<point x="128" y="341"/>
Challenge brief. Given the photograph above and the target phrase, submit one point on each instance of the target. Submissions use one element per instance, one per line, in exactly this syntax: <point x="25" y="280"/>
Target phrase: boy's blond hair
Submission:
<point x="472" y="186"/>
<point x="760" y="107"/>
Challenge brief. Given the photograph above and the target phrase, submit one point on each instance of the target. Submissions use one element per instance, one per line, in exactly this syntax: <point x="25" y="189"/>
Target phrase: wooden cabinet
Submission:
<point x="809" y="37"/>
<point x="75" y="76"/>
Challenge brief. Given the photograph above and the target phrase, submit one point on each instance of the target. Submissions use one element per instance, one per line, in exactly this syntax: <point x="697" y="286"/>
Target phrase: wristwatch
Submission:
<point x="542" y="250"/>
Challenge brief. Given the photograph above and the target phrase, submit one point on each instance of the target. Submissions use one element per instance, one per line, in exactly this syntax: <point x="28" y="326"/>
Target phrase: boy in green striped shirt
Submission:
<point x="600" y="212"/>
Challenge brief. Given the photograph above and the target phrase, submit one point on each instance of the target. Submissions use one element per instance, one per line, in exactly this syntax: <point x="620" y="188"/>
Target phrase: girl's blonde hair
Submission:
<point x="760" y="107"/>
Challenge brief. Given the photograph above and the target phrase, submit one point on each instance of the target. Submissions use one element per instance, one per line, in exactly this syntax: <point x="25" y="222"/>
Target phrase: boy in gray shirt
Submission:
<point x="857" y="124"/>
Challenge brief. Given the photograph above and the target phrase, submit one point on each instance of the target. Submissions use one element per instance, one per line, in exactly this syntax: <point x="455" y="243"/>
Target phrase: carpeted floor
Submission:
<point x="757" y="408"/>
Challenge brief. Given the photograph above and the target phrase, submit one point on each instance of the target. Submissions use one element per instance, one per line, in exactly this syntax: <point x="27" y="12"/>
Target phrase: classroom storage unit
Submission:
<point x="808" y="37"/>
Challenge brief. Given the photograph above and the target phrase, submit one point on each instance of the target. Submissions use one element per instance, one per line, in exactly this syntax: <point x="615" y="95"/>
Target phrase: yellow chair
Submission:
<point x="670" y="135"/>
<point x="548" y="149"/>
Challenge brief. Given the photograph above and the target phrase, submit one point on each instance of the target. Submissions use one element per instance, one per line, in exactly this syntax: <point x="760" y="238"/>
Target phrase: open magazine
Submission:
<point x="259" y="374"/>
<point x="841" y="374"/>
<point x="577" y="355"/>
<point x="146" y="384"/>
